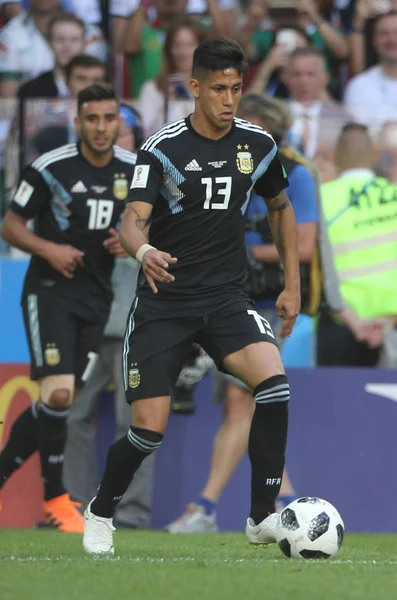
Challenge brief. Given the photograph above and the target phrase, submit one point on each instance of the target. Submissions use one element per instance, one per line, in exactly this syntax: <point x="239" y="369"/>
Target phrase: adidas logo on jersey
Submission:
<point x="79" y="188"/>
<point x="193" y="166"/>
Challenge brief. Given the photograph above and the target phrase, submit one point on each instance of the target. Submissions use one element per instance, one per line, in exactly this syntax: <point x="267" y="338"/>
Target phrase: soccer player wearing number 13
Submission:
<point x="76" y="196"/>
<point x="193" y="181"/>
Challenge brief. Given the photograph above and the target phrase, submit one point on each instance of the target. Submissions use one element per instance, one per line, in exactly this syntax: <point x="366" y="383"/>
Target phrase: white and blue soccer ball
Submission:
<point x="310" y="528"/>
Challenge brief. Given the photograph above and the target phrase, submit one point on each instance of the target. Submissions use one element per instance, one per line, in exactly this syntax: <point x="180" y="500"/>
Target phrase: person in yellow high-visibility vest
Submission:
<point x="360" y="211"/>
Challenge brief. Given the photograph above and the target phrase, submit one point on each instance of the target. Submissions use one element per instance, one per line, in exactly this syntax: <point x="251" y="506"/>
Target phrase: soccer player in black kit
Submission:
<point x="192" y="181"/>
<point x="76" y="196"/>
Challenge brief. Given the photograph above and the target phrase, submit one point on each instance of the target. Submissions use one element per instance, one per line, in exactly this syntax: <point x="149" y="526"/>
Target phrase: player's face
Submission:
<point x="98" y="124"/>
<point x="67" y="40"/>
<point x="217" y="96"/>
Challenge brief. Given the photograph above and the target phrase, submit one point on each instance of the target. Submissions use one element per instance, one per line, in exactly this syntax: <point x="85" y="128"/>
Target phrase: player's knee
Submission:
<point x="238" y="405"/>
<point x="145" y="440"/>
<point x="60" y="398"/>
<point x="273" y="391"/>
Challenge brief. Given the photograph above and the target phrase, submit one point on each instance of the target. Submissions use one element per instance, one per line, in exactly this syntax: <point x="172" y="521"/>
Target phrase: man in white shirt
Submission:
<point x="316" y="120"/>
<point x="371" y="96"/>
<point x="24" y="48"/>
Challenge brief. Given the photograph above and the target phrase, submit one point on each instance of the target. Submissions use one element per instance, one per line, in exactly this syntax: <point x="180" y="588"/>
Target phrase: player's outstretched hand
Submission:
<point x="287" y="308"/>
<point x="154" y="265"/>
<point x="112" y="244"/>
<point x="65" y="258"/>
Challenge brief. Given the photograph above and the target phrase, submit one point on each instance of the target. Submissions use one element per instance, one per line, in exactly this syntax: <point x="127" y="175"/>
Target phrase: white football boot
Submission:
<point x="194" y="520"/>
<point x="98" y="533"/>
<point x="265" y="532"/>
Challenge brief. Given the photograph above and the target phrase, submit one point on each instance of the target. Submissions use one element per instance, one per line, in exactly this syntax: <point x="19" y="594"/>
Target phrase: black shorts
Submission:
<point x="60" y="342"/>
<point x="157" y="341"/>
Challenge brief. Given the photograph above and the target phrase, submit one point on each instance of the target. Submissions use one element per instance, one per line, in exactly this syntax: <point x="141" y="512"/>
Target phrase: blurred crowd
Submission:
<point x="325" y="69"/>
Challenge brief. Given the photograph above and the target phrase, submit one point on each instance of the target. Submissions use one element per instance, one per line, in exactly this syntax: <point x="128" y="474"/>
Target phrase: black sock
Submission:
<point x="21" y="444"/>
<point x="52" y="432"/>
<point x="267" y="442"/>
<point x="124" y="459"/>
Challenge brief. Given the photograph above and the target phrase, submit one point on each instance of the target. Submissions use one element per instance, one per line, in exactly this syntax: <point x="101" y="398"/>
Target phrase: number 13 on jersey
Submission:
<point x="224" y="190"/>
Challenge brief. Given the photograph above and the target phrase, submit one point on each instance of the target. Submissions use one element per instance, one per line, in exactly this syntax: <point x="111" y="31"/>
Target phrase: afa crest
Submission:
<point x="120" y="186"/>
<point x="134" y="377"/>
<point x="245" y="163"/>
<point x="52" y="355"/>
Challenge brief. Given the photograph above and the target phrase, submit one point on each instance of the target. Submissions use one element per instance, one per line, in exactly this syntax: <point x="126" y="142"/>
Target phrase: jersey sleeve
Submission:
<point x="273" y="180"/>
<point x="32" y="194"/>
<point x="302" y="193"/>
<point x="147" y="180"/>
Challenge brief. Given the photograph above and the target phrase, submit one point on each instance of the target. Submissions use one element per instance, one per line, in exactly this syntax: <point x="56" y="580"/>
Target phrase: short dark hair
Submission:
<point x="308" y="51"/>
<point x="217" y="54"/>
<point x="65" y="17"/>
<point x="353" y="126"/>
<point x="83" y="60"/>
<point x="96" y="93"/>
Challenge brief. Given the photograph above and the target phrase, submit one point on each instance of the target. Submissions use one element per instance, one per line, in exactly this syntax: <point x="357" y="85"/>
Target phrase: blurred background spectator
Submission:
<point x="386" y="150"/>
<point x="66" y="39"/>
<point x="371" y="96"/>
<point x="139" y="30"/>
<point x="25" y="51"/>
<point x="167" y="97"/>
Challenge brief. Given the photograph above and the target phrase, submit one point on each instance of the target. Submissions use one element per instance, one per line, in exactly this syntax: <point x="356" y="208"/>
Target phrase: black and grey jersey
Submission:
<point x="200" y="190"/>
<point x="73" y="202"/>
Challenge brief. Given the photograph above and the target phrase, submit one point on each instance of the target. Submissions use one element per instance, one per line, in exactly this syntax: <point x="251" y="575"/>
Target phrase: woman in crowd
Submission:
<point x="167" y="98"/>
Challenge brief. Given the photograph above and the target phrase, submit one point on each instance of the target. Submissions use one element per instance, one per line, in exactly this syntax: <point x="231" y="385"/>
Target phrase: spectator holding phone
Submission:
<point x="272" y="48"/>
<point x="167" y="98"/>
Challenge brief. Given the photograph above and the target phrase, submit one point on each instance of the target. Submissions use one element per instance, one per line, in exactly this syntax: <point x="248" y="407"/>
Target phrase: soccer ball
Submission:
<point x="310" y="528"/>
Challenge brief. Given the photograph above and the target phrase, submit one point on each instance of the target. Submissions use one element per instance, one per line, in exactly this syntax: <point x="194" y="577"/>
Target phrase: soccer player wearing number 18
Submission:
<point x="193" y="181"/>
<point x="76" y="196"/>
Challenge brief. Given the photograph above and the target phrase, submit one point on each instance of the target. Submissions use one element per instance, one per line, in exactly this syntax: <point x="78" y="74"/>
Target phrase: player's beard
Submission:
<point x="100" y="149"/>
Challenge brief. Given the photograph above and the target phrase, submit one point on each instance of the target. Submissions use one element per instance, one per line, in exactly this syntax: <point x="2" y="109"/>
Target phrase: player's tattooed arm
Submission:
<point x="134" y="226"/>
<point x="282" y="223"/>
<point x="280" y="202"/>
<point x="141" y="223"/>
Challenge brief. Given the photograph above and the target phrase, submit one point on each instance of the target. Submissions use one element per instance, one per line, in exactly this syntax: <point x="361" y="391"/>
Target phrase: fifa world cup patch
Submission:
<point x="141" y="176"/>
<point x="134" y="377"/>
<point x="244" y="160"/>
<point x="52" y="355"/>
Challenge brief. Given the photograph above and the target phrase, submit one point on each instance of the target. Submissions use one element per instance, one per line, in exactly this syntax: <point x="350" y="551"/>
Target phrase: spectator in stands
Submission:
<point x="82" y="71"/>
<point x="231" y="440"/>
<point x="317" y="121"/>
<point x="9" y="10"/>
<point x="66" y="39"/>
<point x="143" y="41"/>
<point x="24" y="48"/>
<point x="57" y="127"/>
<point x="365" y="13"/>
<point x="361" y="222"/>
<point x="386" y="150"/>
<point x="371" y="96"/>
<point x="167" y="98"/>
<point x="88" y="11"/>
<point x="272" y="46"/>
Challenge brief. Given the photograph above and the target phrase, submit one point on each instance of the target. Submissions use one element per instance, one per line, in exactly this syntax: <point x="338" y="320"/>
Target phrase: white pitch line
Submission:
<point x="187" y="559"/>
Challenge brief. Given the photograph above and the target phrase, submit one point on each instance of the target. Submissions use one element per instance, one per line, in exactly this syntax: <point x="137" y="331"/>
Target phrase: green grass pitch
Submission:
<point x="47" y="565"/>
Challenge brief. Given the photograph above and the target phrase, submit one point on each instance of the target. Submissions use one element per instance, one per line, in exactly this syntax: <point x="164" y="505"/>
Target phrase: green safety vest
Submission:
<point x="361" y="217"/>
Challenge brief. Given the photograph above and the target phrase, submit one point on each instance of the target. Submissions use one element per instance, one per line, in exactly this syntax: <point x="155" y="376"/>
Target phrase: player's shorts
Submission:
<point x="157" y="341"/>
<point x="60" y="342"/>
<point x="222" y="380"/>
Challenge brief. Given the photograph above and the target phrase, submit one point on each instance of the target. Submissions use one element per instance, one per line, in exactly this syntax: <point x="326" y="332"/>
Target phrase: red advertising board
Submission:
<point x="21" y="498"/>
